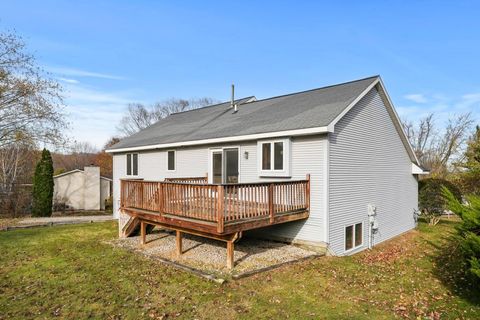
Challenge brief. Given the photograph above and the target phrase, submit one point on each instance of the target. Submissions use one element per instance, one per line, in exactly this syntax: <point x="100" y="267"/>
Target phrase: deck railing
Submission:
<point x="199" y="180"/>
<point x="222" y="204"/>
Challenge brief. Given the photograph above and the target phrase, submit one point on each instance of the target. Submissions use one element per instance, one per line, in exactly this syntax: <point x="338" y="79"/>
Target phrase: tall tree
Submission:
<point x="104" y="160"/>
<point x="438" y="148"/>
<point x="30" y="102"/>
<point x="469" y="229"/>
<point x="472" y="154"/>
<point x="43" y="186"/>
<point x="469" y="177"/>
<point x="140" y="116"/>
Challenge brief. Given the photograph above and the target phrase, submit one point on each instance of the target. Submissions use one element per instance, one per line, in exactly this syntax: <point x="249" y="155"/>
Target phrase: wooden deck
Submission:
<point x="221" y="211"/>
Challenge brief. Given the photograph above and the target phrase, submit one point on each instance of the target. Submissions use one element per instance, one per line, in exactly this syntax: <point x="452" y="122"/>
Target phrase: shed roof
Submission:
<point x="76" y="170"/>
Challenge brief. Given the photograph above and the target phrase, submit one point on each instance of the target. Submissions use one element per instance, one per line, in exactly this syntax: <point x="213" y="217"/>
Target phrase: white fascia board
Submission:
<point x="67" y="173"/>
<point x="399" y="123"/>
<point x="417" y="170"/>
<point x="257" y="136"/>
<point x="354" y="102"/>
<point x="390" y="108"/>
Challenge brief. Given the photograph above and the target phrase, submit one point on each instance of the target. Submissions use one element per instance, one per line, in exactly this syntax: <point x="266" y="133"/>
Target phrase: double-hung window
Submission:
<point x="353" y="236"/>
<point x="274" y="158"/>
<point x="132" y="164"/>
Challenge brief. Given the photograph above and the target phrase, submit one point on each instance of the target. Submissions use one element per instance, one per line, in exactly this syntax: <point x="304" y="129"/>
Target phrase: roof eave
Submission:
<point x="256" y="136"/>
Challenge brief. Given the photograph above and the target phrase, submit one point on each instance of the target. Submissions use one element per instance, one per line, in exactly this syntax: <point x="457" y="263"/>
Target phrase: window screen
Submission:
<point x="129" y="164"/>
<point x="348" y="237"/>
<point x="278" y="155"/>
<point x="171" y="160"/>
<point x="135" y="164"/>
<point x="358" y="234"/>
<point x="266" y="156"/>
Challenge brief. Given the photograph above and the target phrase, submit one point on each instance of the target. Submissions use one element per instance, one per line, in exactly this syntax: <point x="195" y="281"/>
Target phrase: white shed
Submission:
<point x="82" y="189"/>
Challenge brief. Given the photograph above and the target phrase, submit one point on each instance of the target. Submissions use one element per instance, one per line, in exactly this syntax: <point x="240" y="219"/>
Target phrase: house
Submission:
<point x="330" y="167"/>
<point x="82" y="189"/>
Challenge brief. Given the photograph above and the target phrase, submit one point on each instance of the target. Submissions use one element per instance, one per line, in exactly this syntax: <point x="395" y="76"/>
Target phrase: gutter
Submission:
<point x="256" y="136"/>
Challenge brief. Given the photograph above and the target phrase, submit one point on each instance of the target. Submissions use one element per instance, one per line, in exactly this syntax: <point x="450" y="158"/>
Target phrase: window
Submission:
<point x="266" y="156"/>
<point x="132" y="164"/>
<point x="278" y="155"/>
<point x="171" y="160"/>
<point x="353" y="236"/>
<point x="274" y="158"/>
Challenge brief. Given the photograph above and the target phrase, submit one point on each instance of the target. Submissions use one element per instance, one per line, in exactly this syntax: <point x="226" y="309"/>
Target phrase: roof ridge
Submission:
<point x="309" y="90"/>
<point x="211" y="105"/>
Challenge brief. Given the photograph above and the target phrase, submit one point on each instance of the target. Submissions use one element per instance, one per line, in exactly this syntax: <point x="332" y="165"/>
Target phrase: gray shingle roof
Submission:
<point x="308" y="109"/>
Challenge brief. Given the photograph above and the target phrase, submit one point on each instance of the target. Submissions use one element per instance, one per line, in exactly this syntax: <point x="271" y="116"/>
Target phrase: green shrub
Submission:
<point x="109" y="204"/>
<point x="430" y="195"/>
<point x="469" y="230"/>
<point x="43" y="186"/>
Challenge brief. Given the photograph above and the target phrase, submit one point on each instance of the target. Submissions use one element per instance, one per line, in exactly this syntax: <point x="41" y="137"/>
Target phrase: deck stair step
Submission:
<point x="132" y="227"/>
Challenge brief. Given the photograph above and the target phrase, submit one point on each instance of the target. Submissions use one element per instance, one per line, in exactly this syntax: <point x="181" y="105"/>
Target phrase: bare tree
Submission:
<point x="435" y="148"/>
<point x="30" y="114"/>
<point x="76" y="156"/>
<point x="16" y="165"/>
<point x="30" y="102"/>
<point x="420" y="134"/>
<point x="140" y="116"/>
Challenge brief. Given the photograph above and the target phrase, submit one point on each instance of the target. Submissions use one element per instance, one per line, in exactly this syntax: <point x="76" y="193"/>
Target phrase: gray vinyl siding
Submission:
<point x="369" y="165"/>
<point x="307" y="157"/>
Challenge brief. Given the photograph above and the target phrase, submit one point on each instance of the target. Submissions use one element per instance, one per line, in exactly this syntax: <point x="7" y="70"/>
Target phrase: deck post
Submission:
<point x="178" y="238"/>
<point x="220" y="208"/>
<point x="271" y="212"/>
<point x="160" y="198"/>
<point x="122" y="193"/>
<point x="143" y="232"/>
<point x="307" y="191"/>
<point x="230" y="255"/>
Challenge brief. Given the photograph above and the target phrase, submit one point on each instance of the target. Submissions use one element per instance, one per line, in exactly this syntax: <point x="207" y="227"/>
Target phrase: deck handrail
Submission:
<point x="221" y="204"/>
<point x="196" y="180"/>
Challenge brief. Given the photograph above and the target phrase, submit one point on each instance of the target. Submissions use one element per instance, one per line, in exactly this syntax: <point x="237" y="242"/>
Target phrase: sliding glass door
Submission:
<point x="231" y="165"/>
<point x="225" y="166"/>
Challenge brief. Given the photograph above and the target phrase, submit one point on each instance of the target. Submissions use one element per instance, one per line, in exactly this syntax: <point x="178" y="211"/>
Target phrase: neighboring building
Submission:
<point x="82" y="189"/>
<point x="346" y="137"/>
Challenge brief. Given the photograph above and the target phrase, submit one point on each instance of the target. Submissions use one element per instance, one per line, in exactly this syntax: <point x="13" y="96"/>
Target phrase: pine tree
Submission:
<point x="469" y="230"/>
<point x="470" y="178"/>
<point x="472" y="154"/>
<point x="43" y="186"/>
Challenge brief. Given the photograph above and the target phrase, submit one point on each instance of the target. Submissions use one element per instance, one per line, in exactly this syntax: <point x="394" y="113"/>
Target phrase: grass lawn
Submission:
<point x="71" y="272"/>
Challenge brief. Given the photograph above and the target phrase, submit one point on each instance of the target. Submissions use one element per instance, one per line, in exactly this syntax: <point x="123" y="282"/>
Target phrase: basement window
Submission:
<point x="171" y="155"/>
<point x="132" y="164"/>
<point x="273" y="159"/>
<point x="353" y="236"/>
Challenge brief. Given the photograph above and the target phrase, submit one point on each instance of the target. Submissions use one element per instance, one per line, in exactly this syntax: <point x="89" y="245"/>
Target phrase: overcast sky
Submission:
<point x="109" y="53"/>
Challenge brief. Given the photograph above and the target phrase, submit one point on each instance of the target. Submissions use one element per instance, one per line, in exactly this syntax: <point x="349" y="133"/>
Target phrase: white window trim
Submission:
<point x="174" y="160"/>
<point x="131" y="164"/>
<point x="222" y="149"/>
<point x="285" y="172"/>
<point x="354" y="248"/>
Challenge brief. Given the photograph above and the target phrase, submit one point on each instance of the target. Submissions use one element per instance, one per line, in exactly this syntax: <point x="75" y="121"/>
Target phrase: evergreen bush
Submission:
<point x="43" y="186"/>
